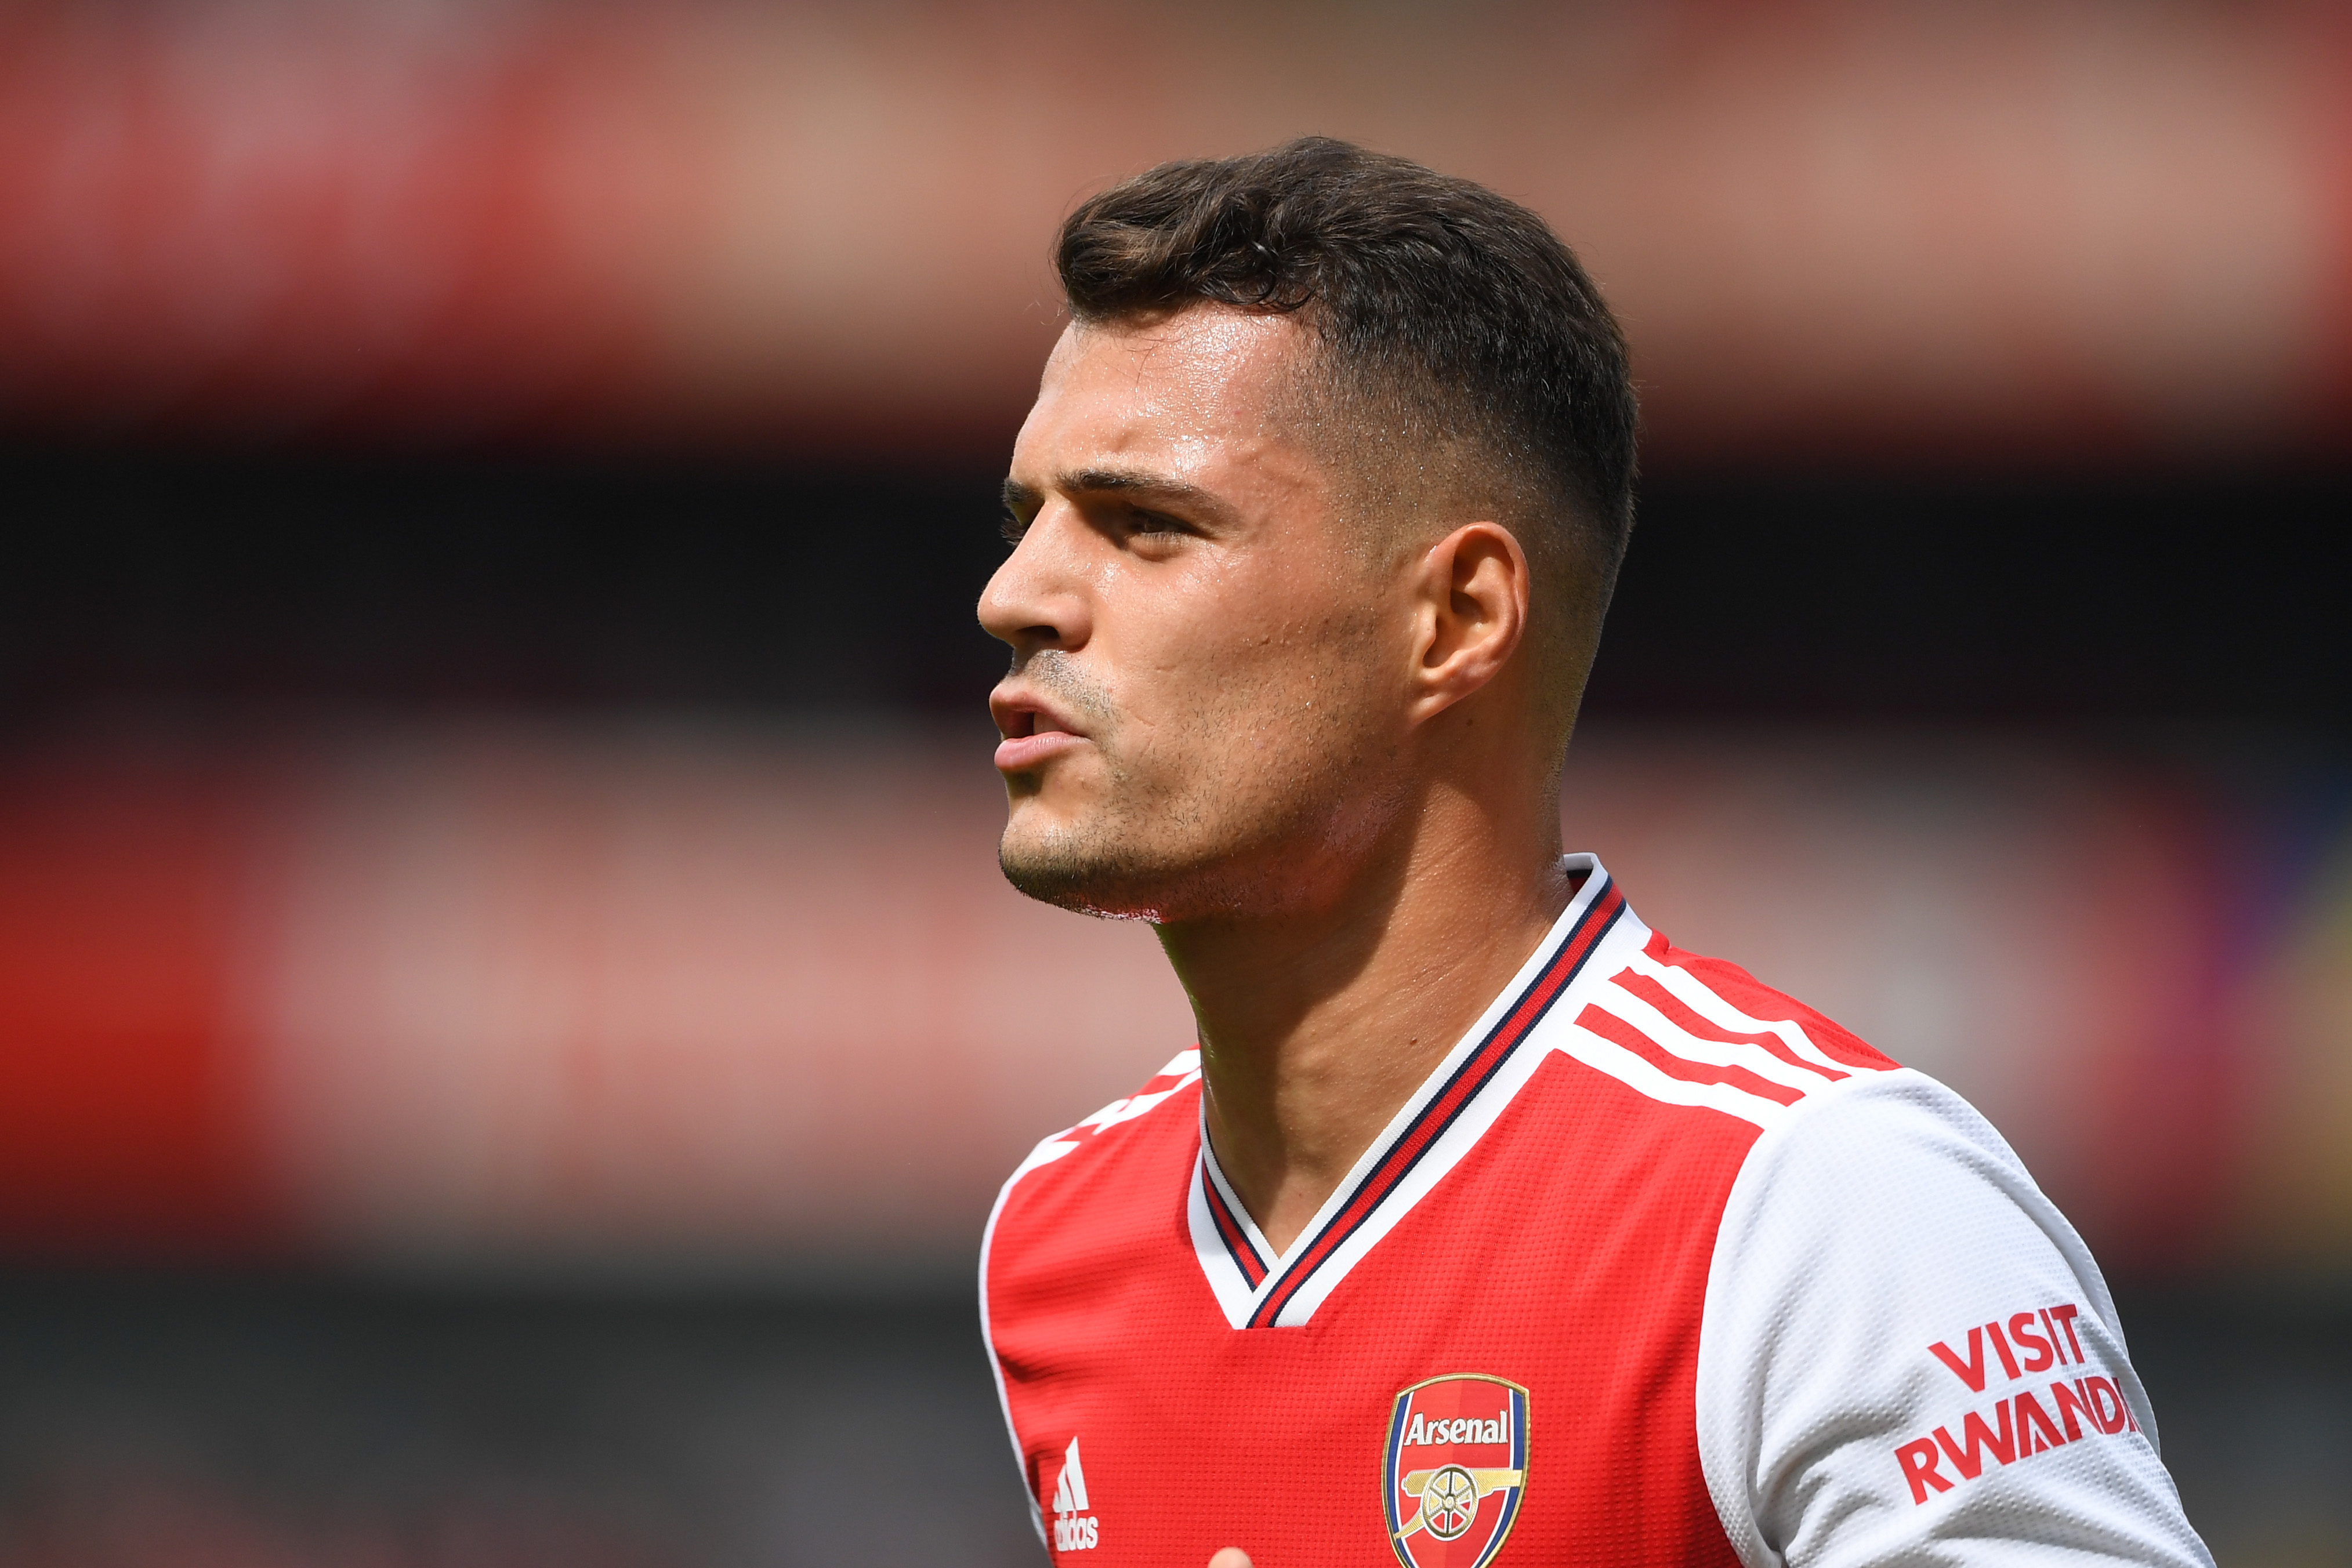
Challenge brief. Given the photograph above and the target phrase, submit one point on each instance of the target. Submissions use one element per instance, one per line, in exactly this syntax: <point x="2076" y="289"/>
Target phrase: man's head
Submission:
<point x="1332" y="467"/>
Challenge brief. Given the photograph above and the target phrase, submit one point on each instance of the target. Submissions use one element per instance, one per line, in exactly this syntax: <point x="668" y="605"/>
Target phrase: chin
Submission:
<point x="1055" y="864"/>
<point x="1117" y="878"/>
<point x="1083" y="888"/>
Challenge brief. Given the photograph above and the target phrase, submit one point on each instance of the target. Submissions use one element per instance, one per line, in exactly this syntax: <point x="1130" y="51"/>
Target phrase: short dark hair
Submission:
<point x="1430" y="296"/>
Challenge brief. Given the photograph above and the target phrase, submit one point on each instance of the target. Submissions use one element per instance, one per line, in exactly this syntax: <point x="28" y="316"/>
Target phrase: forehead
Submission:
<point x="1196" y="396"/>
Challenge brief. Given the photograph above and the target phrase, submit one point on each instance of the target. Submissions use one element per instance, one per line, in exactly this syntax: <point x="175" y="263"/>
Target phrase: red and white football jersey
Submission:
<point x="1659" y="1267"/>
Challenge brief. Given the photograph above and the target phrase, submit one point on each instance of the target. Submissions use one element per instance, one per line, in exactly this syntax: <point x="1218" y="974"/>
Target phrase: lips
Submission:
<point x="1021" y="753"/>
<point x="1033" y="733"/>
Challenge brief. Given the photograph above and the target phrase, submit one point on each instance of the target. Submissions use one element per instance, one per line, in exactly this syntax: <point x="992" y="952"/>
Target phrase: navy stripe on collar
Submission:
<point x="1475" y="1072"/>
<point x="1230" y="1231"/>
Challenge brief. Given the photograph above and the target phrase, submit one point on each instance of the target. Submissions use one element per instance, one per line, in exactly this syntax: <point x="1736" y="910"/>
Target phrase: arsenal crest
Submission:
<point x="1456" y="1467"/>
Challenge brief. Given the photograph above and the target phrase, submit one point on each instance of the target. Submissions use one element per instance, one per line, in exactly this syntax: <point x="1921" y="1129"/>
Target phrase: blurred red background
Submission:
<point x="734" y="997"/>
<point x="2061" y="230"/>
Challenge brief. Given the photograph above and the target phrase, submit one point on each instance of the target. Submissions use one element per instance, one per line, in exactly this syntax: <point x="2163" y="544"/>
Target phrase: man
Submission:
<point x="1482" y="1220"/>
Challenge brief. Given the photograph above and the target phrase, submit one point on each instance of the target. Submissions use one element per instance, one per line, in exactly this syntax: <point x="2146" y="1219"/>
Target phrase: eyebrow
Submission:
<point x="1142" y="486"/>
<point x="1138" y="486"/>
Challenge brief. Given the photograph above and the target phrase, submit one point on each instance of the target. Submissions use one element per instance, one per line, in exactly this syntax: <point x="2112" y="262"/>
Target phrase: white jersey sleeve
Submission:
<point x="1908" y="1357"/>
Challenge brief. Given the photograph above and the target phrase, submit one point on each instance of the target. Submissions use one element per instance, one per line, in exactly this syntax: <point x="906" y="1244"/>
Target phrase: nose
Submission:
<point x="1038" y="599"/>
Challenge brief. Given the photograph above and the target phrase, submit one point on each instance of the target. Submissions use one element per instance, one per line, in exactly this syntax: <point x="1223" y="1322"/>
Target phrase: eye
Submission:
<point x="1012" y="525"/>
<point x="1159" y="528"/>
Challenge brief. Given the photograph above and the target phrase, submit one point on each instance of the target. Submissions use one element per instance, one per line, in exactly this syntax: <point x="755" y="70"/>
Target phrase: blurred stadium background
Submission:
<point x="508" y="1024"/>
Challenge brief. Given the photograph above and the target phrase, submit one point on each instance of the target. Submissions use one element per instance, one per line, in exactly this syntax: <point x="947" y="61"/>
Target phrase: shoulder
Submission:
<point x="1882" y="1147"/>
<point x="1905" y="1350"/>
<point x="1735" y="987"/>
<point x="1714" y="998"/>
<point x="1904" y="1342"/>
<point x="1706" y="1047"/>
<point x="1086" y="1163"/>
<point x="1108" y="1130"/>
<point x="1890" y="1195"/>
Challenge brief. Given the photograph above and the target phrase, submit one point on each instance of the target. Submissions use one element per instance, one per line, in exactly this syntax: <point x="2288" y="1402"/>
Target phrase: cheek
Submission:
<point x="1289" y="699"/>
<point x="1248" y="669"/>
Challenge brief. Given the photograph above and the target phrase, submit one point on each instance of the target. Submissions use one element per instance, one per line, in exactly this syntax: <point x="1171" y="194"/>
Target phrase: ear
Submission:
<point x="1470" y="593"/>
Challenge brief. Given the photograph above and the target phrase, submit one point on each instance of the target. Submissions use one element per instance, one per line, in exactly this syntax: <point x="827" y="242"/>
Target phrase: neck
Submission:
<point x="1318" y="1025"/>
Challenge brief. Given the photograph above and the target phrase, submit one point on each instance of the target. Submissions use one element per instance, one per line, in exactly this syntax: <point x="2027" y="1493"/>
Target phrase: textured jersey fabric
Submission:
<point x="1657" y="1267"/>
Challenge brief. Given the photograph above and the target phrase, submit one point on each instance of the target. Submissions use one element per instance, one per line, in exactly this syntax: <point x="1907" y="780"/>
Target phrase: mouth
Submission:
<point x="1034" y="733"/>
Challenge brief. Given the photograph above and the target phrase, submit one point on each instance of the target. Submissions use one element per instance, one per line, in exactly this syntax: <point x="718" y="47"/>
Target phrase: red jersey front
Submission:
<point x="1652" y="1269"/>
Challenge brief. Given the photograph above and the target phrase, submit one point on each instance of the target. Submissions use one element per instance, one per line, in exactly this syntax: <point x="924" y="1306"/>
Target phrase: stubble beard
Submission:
<point x="1231" y="841"/>
<point x="1136" y="853"/>
<point x="1121" y="865"/>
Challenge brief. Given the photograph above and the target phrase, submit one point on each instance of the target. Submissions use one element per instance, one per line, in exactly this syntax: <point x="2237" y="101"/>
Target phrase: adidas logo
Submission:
<point x="1075" y="1529"/>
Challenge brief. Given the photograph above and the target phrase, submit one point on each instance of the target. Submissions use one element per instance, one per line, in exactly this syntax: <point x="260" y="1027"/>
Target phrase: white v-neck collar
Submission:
<point x="1437" y="1126"/>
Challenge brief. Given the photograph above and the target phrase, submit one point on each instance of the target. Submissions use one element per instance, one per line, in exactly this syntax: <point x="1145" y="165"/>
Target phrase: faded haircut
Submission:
<point x="1463" y="357"/>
